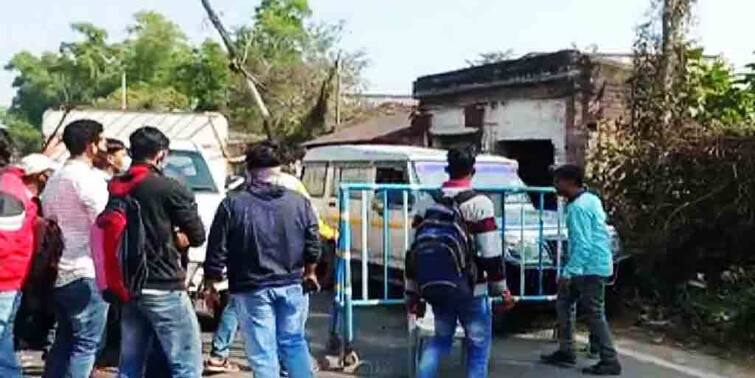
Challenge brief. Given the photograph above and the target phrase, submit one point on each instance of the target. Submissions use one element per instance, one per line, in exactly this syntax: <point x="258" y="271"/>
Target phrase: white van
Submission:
<point x="324" y="168"/>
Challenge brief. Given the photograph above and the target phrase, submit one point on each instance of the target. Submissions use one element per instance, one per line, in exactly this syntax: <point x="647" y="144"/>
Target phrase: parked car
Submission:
<point x="325" y="168"/>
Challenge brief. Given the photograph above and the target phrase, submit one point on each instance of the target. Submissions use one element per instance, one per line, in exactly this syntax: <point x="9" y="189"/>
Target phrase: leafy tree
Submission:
<point x="155" y="48"/>
<point x="204" y="77"/>
<point x="79" y="73"/>
<point x="143" y="96"/>
<point x="26" y="138"/>
<point x="677" y="175"/>
<point x="291" y="56"/>
<point x="293" y="61"/>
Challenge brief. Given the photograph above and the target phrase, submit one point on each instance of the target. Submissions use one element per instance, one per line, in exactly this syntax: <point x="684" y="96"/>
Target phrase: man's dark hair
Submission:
<point x="114" y="145"/>
<point x="147" y="142"/>
<point x="6" y="148"/>
<point x="80" y="134"/>
<point x="461" y="162"/>
<point x="570" y="172"/>
<point x="265" y="154"/>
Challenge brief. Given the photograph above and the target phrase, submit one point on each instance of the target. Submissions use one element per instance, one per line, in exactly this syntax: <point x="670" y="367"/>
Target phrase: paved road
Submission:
<point x="382" y="342"/>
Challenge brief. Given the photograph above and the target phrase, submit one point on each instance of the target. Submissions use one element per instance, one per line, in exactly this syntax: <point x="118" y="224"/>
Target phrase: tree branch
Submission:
<point x="237" y="66"/>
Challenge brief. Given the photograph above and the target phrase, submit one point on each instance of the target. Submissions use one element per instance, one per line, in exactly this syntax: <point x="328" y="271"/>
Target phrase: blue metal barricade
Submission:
<point x="517" y="235"/>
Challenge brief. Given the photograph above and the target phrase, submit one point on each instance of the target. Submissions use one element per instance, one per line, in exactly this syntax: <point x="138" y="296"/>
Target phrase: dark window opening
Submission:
<point x="474" y="115"/>
<point x="535" y="159"/>
<point x="392" y="175"/>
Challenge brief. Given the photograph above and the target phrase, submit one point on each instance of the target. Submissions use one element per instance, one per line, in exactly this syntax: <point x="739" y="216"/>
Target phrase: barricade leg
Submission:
<point x="342" y="323"/>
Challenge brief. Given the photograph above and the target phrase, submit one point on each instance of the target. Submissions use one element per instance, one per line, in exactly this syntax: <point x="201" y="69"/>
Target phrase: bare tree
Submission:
<point x="238" y="67"/>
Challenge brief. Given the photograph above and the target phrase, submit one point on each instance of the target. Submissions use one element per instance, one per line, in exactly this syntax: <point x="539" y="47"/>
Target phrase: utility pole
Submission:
<point x="124" y="93"/>
<point x="338" y="91"/>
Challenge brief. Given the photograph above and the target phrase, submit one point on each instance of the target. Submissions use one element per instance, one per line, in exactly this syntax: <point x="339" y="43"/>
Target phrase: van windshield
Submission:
<point x="190" y="168"/>
<point x="487" y="174"/>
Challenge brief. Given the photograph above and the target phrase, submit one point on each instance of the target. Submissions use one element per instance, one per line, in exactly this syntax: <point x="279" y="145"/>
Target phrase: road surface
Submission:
<point x="382" y="343"/>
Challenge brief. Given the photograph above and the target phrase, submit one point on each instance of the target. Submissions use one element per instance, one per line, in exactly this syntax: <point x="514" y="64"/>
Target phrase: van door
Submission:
<point x="352" y="173"/>
<point x="315" y="177"/>
<point x="395" y="220"/>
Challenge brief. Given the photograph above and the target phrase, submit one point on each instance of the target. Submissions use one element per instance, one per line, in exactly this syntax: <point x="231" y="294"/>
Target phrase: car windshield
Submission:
<point x="520" y="212"/>
<point x="190" y="168"/>
<point x="486" y="174"/>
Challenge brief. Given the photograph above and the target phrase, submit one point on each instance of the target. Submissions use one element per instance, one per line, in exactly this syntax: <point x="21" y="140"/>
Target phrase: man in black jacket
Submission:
<point x="169" y="212"/>
<point x="267" y="236"/>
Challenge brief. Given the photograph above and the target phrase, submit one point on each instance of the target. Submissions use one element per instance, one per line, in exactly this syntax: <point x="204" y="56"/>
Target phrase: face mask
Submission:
<point x="125" y="164"/>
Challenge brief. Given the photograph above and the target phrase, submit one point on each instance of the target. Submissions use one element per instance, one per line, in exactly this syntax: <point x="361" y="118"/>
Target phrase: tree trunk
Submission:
<point x="673" y="15"/>
<point x="668" y="41"/>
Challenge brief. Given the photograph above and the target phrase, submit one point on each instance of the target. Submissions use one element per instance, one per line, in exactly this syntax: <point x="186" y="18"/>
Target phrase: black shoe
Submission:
<point x="592" y="353"/>
<point x="603" y="368"/>
<point x="559" y="358"/>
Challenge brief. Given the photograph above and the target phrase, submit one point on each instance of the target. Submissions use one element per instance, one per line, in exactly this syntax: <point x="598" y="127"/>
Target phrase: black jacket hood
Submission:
<point x="265" y="191"/>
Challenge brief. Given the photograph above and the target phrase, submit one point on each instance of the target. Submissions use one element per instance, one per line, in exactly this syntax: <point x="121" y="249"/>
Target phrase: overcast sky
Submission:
<point x="403" y="39"/>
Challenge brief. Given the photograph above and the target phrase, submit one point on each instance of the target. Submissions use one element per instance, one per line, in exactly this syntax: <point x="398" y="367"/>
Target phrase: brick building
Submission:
<point x="538" y="109"/>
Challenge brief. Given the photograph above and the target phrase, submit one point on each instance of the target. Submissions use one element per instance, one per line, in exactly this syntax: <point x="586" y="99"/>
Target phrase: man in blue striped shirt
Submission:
<point x="584" y="276"/>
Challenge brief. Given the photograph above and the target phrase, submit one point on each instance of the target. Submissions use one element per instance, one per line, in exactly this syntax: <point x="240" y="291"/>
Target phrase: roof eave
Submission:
<point x="518" y="81"/>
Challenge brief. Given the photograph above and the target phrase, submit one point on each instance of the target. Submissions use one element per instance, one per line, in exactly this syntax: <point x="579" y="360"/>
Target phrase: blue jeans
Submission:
<point x="81" y="313"/>
<point x="273" y="326"/>
<point x="9" y="302"/>
<point x="168" y="319"/>
<point x="224" y="335"/>
<point x="476" y="318"/>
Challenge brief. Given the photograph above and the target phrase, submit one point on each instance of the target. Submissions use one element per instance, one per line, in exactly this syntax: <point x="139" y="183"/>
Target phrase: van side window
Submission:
<point x="352" y="175"/>
<point x="314" y="179"/>
<point x="392" y="175"/>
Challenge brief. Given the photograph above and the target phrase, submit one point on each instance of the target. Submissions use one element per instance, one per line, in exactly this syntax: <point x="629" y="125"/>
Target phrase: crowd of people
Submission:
<point x="266" y="240"/>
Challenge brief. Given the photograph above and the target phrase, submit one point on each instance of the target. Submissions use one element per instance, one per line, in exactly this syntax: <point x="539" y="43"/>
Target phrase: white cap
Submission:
<point x="33" y="164"/>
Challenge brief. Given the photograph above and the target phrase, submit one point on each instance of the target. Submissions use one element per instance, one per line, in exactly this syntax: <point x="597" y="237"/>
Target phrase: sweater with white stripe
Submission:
<point x="479" y="213"/>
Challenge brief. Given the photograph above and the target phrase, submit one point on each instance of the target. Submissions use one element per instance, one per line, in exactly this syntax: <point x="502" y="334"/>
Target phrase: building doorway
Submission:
<point x="535" y="159"/>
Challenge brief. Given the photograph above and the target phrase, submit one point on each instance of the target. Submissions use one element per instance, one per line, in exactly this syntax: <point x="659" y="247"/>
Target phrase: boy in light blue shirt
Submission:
<point x="584" y="276"/>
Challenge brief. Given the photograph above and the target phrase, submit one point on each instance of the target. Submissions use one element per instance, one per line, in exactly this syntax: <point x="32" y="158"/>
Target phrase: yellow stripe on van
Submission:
<point x="357" y="222"/>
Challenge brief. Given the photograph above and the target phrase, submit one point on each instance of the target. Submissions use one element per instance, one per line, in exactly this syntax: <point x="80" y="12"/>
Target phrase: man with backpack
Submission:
<point x="455" y="264"/>
<point x="18" y="214"/>
<point x="157" y="308"/>
<point x="73" y="198"/>
<point x="267" y="237"/>
<point x="583" y="280"/>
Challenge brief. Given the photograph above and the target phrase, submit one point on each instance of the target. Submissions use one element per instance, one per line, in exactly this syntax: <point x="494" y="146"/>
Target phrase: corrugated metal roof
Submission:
<point x="367" y="130"/>
<point x="207" y="129"/>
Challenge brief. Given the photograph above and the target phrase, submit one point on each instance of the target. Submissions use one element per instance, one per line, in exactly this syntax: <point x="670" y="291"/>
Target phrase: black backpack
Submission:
<point x="444" y="252"/>
<point x="119" y="251"/>
<point x="44" y="264"/>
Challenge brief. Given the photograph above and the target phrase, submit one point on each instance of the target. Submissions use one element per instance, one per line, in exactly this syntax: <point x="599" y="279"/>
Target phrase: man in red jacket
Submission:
<point x="17" y="217"/>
